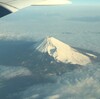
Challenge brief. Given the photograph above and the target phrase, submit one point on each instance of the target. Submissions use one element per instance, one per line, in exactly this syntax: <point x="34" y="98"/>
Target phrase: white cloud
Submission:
<point x="53" y="97"/>
<point x="11" y="72"/>
<point x="17" y="36"/>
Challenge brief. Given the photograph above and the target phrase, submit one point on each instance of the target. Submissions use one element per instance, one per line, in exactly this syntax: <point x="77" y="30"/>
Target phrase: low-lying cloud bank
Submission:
<point x="86" y="19"/>
<point x="8" y="72"/>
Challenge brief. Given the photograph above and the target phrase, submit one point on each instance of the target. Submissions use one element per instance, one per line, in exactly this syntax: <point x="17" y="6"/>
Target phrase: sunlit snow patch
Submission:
<point x="62" y="52"/>
<point x="94" y="56"/>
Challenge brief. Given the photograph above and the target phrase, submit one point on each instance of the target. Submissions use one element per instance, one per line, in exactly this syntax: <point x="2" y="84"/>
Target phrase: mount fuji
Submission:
<point x="61" y="52"/>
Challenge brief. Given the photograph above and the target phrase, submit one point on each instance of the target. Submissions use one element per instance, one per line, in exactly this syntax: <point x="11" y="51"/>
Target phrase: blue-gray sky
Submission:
<point x="86" y="2"/>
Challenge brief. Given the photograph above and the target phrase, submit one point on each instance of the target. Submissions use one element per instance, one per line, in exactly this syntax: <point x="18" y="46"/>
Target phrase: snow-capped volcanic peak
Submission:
<point x="62" y="52"/>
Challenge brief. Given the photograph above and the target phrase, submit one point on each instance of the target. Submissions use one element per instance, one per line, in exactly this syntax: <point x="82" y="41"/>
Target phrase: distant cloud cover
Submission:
<point x="86" y="19"/>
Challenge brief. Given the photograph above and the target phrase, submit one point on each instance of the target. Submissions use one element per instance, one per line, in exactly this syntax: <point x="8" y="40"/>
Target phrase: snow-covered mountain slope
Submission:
<point x="62" y="52"/>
